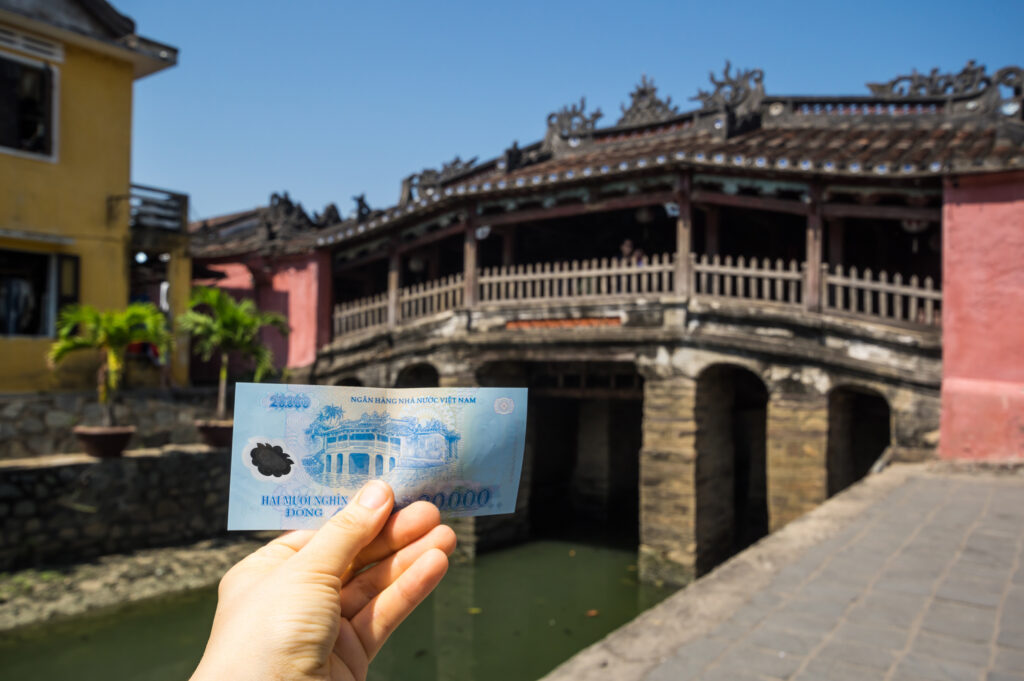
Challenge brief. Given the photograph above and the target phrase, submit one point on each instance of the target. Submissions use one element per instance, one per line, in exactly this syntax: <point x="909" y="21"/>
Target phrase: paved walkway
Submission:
<point x="910" y="576"/>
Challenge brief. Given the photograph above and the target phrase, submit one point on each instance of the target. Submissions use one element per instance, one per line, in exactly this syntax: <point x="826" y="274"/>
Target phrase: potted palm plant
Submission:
<point x="219" y="324"/>
<point x="110" y="332"/>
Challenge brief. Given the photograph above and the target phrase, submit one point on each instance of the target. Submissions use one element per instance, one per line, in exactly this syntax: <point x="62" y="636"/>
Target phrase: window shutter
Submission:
<point x="68" y="276"/>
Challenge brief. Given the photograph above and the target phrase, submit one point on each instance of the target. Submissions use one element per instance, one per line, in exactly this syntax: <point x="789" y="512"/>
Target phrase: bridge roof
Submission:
<point x="914" y="127"/>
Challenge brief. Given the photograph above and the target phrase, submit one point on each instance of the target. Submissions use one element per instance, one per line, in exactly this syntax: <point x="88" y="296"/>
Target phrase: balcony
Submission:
<point x="879" y="297"/>
<point x="160" y="209"/>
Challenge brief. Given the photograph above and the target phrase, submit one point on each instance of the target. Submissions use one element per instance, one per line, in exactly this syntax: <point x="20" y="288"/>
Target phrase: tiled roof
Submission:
<point x="914" y="127"/>
<point x="219" y="220"/>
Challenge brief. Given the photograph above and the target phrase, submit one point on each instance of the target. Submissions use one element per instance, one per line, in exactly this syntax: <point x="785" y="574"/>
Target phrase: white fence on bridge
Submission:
<point x="881" y="297"/>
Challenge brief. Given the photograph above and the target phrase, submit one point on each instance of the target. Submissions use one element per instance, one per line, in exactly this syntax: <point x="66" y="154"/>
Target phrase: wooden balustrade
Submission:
<point x="577" y="280"/>
<point x="892" y="299"/>
<point x="756" y="280"/>
<point x="432" y="297"/>
<point x="864" y="294"/>
<point x="361" y="314"/>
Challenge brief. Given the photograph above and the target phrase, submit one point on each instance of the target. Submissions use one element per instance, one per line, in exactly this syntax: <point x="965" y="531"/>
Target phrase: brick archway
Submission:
<point x="731" y="482"/>
<point x="859" y="431"/>
<point x="420" y="375"/>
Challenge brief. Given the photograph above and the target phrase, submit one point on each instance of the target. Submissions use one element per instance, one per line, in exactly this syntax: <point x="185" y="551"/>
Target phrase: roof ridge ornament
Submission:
<point x="284" y="217"/>
<point x="363" y="209"/>
<point x="569" y="127"/>
<point x="455" y="167"/>
<point x="429" y="181"/>
<point x="987" y="91"/>
<point x="741" y="93"/>
<point x="646" y="106"/>
<point x="971" y="80"/>
<point x="330" y="216"/>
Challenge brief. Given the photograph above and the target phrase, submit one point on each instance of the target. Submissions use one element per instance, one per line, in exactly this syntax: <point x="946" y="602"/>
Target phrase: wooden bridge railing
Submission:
<point x="757" y="280"/>
<point x="891" y="299"/>
<point x="361" y="314"/>
<point x="431" y="297"/>
<point x="577" y="280"/>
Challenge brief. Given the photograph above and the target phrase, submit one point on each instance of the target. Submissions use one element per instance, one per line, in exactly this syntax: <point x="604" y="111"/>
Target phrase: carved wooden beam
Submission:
<point x="853" y="210"/>
<point x="430" y="237"/>
<point x="569" y="210"/>
<point x="750" y="202"/>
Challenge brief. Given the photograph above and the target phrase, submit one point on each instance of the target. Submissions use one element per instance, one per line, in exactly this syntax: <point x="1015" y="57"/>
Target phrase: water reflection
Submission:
<point x="517" y="615"/>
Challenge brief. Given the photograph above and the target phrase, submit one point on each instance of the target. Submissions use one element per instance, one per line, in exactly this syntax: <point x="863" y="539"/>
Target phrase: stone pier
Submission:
<point x="668" y="547"/>
<point x="797" y="442"/>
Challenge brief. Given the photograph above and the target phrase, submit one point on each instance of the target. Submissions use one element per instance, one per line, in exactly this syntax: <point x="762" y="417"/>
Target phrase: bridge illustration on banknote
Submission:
<point x="374" y="444"/>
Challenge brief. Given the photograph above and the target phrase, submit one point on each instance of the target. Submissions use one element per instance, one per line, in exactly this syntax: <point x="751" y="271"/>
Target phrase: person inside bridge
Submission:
<point x="630" y="253"/>
<point x="318" y="605"/>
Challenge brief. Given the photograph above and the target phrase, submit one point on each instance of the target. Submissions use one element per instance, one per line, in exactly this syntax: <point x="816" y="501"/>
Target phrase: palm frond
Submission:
<point x="219" y="323"/>
<point x="63" y="347"/>
<point x="264" y="362"/>
<point x="83" y="327"/>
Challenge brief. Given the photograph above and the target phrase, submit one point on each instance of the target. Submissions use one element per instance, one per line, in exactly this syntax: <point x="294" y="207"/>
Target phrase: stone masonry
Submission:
<point x="40" y="424"/>
<point x="67" y="508"/>
<point x="797" y="443"/>
<point x="788" y="365"/>
<point x="668" y="497"/>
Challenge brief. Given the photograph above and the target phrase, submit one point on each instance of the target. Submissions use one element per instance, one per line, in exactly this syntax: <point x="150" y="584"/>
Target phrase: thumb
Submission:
<point x="335" y="545"/>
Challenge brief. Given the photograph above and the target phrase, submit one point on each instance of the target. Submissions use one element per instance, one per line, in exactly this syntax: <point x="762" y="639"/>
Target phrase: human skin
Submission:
<point x="307" y="606"/>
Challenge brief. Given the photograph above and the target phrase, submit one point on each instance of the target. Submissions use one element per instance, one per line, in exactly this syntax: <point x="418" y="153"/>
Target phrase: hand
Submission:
<point x="303" y="607"/>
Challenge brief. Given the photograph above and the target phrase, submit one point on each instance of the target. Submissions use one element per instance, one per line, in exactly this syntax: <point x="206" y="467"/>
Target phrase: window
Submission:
<point x="26" y="106"/>
<point x="33" y="287"/>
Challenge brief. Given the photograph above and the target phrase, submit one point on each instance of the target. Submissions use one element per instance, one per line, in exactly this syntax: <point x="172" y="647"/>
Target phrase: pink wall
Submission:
<point x="303" y="284"/>
<point x="236" y="276"/>
<point x="983" y="318"/>
<point x="298" y="287"/>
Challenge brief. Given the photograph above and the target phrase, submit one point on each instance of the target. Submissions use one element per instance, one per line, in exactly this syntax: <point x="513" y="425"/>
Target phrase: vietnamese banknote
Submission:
<point x="301" y="452"/>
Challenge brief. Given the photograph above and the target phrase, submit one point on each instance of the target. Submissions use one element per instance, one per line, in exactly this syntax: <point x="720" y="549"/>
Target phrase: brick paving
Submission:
<point x="927" y="584"/>
<point x="914" y="574"/>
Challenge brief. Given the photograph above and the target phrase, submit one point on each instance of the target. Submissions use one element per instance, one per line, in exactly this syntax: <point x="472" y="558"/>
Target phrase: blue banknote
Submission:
<point x="301" y="452"/>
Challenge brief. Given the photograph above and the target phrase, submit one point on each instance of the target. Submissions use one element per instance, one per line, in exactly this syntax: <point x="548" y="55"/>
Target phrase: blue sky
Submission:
<point x="331" y="99"/>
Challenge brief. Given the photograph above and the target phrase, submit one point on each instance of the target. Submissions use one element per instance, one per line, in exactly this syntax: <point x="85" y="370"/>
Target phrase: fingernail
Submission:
<point x="373" y="495"/>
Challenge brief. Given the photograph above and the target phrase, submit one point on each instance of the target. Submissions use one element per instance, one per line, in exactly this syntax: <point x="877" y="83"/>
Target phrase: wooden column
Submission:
<point x="684" y="239"/>
<point x="835" y="241"/>
<point x="812" y="273"/>
<point x="434" y="263"/>
<point x="469" y="268"/>
<point x="508" y="246"/>
<point x="394" y="274"/>
<point x="711" y="230"/>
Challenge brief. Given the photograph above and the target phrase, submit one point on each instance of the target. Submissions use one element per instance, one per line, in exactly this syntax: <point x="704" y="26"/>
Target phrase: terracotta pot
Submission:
<point x="105" y="442"/>
<point x="215" y="433"/>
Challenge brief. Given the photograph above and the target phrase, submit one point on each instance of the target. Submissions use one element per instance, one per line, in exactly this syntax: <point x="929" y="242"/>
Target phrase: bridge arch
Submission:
<point x="419" y="375"/>
<point x="731" y="463"/>
<point x="859" y="431"/>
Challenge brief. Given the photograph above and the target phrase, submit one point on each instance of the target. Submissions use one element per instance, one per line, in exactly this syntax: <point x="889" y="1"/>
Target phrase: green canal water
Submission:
<point x="513" y="616"/>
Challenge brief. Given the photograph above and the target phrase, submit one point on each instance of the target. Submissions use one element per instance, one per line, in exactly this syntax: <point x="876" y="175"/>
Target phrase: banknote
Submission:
<point x="300" y="452"/>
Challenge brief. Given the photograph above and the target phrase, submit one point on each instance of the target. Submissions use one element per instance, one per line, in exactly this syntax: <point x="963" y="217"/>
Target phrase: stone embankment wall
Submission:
<point x="40" y="424"/>
<point x="66" y="508"/>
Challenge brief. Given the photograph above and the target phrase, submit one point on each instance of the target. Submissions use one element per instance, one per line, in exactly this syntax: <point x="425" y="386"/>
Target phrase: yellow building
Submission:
<point x="72" y="226"/>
